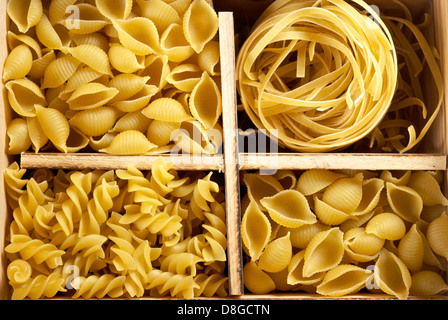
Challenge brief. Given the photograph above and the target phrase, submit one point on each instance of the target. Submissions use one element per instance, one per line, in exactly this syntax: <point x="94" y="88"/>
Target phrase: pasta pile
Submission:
<point x="336" y="233"/>
<point x="123" y="233"/>
<point x="118" y="77"/>
<point x="322" y="76"/>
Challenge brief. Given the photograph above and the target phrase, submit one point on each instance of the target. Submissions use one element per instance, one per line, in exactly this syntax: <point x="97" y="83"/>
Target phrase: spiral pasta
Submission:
<point x="357" y="240"/>
<point x="97" y="63"/>
<point x="116" y="233"/>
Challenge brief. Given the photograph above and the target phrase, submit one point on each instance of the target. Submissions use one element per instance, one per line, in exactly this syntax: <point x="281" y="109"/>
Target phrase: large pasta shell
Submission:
<point x="127" y="85"/>
<point x="391" y="275"/>
<point x="387" y="226"/>
<point x="361" y="246"/>
<point x="256" y="280"/>
<point x="138" y="101"/>
<point x="295" y="271"/>
<point x="23" y="95"/>
<point x="437" y="235"/>
<point x="301" y="236"/>
<point x="411" y="249"/>
<point x="59" y="71"/>
<point x="174" y="45"/>
<point x="132" y="121"/>
<point x="209" y="57"/>
<point x="81" y="77"/>
<point x="344" y="194"/>
<point x="324" y="252"/>
<point x="25" y="14"/>
<point x="37" y="135"/>
<point x="55" y="126"/>
<point x="200" y="23"/>
<point x="114" y="10"/>
<point x="289" y="208"/>
<point x="40" y="65"/>
<point x="255" y="230"/>
<point x="138" y="34"/>
<point x="205" y="101"/>
<point x="47" y="34"/>
<point x="327" y="214"/>
<point x="166" y="109"/>
<point x="159" y="132"/>
<point x="93" y="56"/>
<point x="185" y="76"/>
<point x="371" y="193"/>
<point x="18" y="63"/>
<point x="130" y="142"/>
<point x="426" y="185"/>
<point x="405" y="202"/>
<point x="277" y="255"/>
<point x="316" y="180"/>
<point x="96" y="39"/>
<point x="124" y="60"/>
<point x="399" y="178"/>
<point x="90" y="96"/>
<point x="427" y="283"/>
<point x="161" y="13"/>
<point x="19" y="139"/>
<point x="344" y="279"/>
<point x="157" y="68"/>
<point x="261" y="186"/>
<point x="95" y="122"/>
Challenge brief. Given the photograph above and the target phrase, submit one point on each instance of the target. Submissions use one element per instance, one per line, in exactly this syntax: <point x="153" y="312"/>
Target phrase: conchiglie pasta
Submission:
<point x="174" y="45"/>
<point x="18" y="136"/>
<point x="437" y="235"/>
<point x="301" y="236"/>
<point x="295" y="271"/>
<point x="25" y="14"/>
<point x="205" y="101"/>
<point x="93" y="56"/>
<point x="261" y="186"/>
<point x="411" y="249"/>
<point x="327" y="214"/>
<point x="130" y="142"/>
<point x="38" y="137"/>
<point x="95" y="122"/>
<point x="117" y="10"/>
<point x="59" y="71"/>
<point x="23" y="96"/>
<point x="88" y="19"/>
<point x="185" y="76"/>
<point x="200" y="24"/>
<point x="159" y="132"/>
<point x="344" y="279"/>
<point x="132" y="121"/>
<point x="256" y="280"/>
<point x="277" y="255"/>
<point x="209" y="57"/>
<point x="405" y="202"/>
<point x="161" y="13"/>
<point x="289" y="208"/>
<point x="362" y="246"/>
<point x="427" y="283"/>
<point x="387" y="226"/>
<point x="55" y="126"/>
<point x="90" y="96"/>
<point x="344" y="194"/>
<point x="124" y="60"/>
<point x="18" y="63"/>
<point x="428" y="188"/>
<point x="166" y="109"/>
<point x="315" y="180"/>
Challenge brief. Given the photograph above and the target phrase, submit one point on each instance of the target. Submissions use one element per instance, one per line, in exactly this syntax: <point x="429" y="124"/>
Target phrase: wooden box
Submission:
<point x="431" y="155"/>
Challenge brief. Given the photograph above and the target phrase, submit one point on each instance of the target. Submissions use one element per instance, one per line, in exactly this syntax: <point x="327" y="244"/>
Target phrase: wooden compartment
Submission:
<point x="233" y="14"/>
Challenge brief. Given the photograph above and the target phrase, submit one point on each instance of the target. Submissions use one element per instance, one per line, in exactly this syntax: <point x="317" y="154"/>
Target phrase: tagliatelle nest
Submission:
<point x="320" y="76"/>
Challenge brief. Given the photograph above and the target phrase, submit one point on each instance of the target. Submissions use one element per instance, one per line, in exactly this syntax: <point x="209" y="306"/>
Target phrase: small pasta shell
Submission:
<point x="81" y="77"/>
<point x="138" y="34"/>
<point x="37" y="135"/>
<point x="289" y="208"/>
<point x="295" y="271"/>
<point x="362" y="246"/>
<point x="87" y="20"/>
<point x="387" y="226"/>
<point x="200" y="23"/>
<point x="90" y="96"/>
<point x="23" y="95"/>
<point x="316" y="180"/>
<point x="399" y="179"/>
<point x="47" y="34"/>
<point x="18" y="63"/>
<point x="185" y="76"/>
<point x="255" y="230"/>
<point x="95" y="39"/>
<point x="55" y="126"/>
<point x="166" y="109"/>
<point x="76" y="141"/>
<point x="95" y="122"/>
<point x="159" y="132"/>
<point x="277" y="255"/>
<point x="343" y="280"/>
<point x="344" y="194"/>
<point x="327" y="214"/>
<point x="130" y="142"/>
<point x="174" y="45"/>
<point x="127" y="85"/>
<point x="92" y="56"/>
<point x="123" y="59"/>
<point x="59" y="71"/>
<point x="209" y="57"/>
<point x="324" y="252"/>
<point x="19" y="139"/>
<point x="411" y="249"/>
<point x="25" y="14"/>
<point x="405" y="202"/>
<point x="427" y="283"/>
<point x="41" y="64"/>
<point x="114" y="10"/>
<point x="301" y="236"/>
<point x="137" y="101"/>
<point x="428" y="188"/>
<point x="98" y="143"/>
<point x="161" y="13"/>
<point x="437" y="235"/>
<point x="256" y="280"/>
<point x="205" y="102"/>
<point x="371" y="193"/>
<point x="261" y="186"/>
<point x="192" y="138"/>
<point x="391" y="275"/>
<point x="132" y="121"/>
<point x="157" y="68"/>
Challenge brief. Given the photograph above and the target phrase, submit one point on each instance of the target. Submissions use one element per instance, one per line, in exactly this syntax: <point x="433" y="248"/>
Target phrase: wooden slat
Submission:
<point x="80" y="161"/>
<point x="336" y="161"/>
<point x="229" y="119"/>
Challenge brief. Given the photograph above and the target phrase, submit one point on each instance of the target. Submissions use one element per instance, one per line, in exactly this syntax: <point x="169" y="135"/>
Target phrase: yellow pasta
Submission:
<point x="55" y="126"/>
<point x="312" y="181"/>
<point x="428" y="188"/>
<point x="92" y="56"/>
<point x="405" y="202"/>
<point x="256" y="280"/>
<point x="129" y="142"/>
<point x="185" y="76"/>
<point x="18" y="63"/>
<point x="437" y="236"/>
<point x="386" y="225"/>
<point x="23" y="96"/>
<point x="427" y="283"/>
<point x="91" y="95"/>
<point x="59" y="71"/>
<point x="295" y="271"/>
<point x="362" y="246"/>
<point x="47" y="34"/>
<point x="209" y="57"/>
<point x="95" y="122"/>
<point x="118" y="10"/>
<point x="344" y="194"/>
<point x="174" y="45"/>
<point x="166" y="109"/>
<point x="343" y="279"/>
<point x="25" y="14"/>
<point x="123" y="59"/>
<point x="411" y="249"/>
<point x="18" y="136"/>
<point x="161" y="13"/>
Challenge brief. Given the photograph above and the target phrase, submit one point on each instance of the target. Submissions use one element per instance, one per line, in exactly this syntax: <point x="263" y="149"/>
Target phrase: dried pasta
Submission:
<point x="118" y="233"/>
<point x="114" y="60"/>
<point x="301" y="77"/>
<point x="355" y="240"/>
